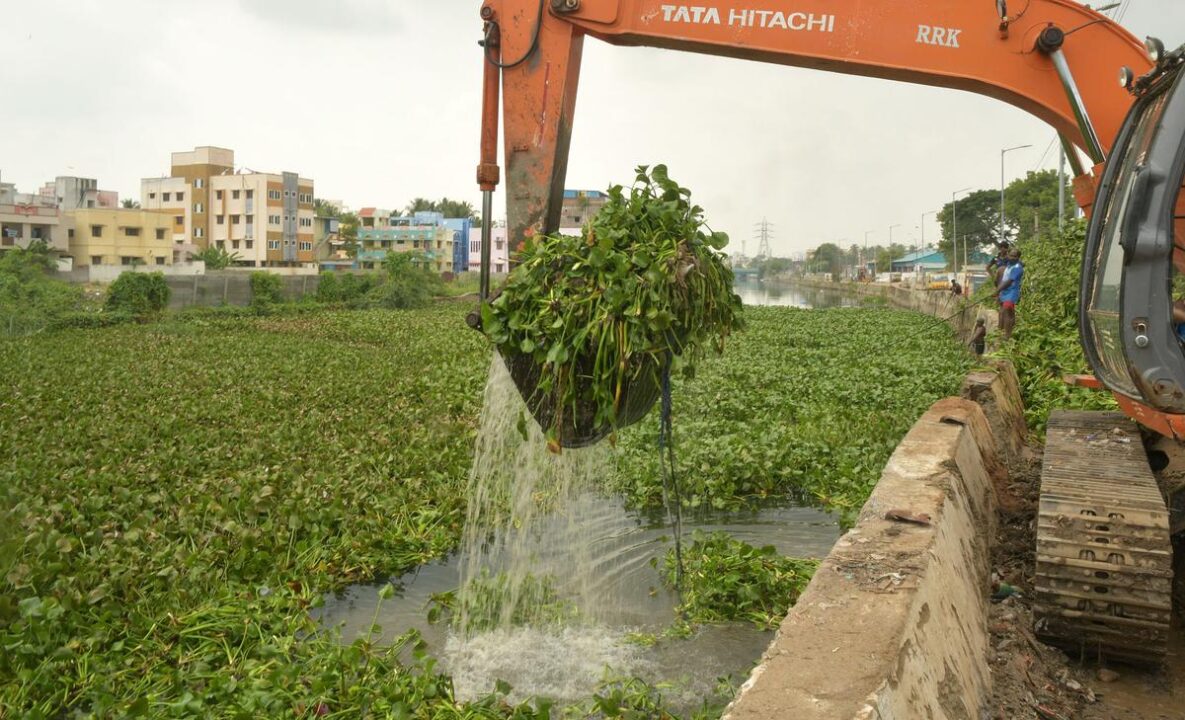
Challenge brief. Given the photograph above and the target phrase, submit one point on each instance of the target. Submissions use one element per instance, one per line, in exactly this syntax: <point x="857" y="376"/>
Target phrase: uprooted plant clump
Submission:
<point x="596" y="315"/>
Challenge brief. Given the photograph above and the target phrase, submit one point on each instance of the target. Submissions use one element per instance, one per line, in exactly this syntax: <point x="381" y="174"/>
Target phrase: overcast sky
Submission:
<point x="384" y="101"/>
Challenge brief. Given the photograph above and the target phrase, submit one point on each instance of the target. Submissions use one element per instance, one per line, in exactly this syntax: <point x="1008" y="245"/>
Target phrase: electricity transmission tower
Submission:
<point x="763" y="231"/>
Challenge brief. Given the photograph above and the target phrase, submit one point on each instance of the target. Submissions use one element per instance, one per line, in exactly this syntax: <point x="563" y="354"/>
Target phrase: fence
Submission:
<point x="231" y="288"/>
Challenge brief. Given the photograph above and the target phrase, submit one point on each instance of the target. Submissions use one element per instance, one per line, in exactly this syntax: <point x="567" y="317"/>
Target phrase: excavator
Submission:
<point x="1104" y="571"/>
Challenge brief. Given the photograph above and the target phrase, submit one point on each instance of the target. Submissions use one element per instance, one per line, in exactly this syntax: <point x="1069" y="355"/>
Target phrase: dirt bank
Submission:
<point x="1031" y="680"/>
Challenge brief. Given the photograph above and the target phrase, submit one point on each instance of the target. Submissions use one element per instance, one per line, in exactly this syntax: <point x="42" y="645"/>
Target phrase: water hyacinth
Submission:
<point x="595" y="315"/>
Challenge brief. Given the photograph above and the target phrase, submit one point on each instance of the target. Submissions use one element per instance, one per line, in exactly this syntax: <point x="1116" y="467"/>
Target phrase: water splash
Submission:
<point x="531" y="523"/>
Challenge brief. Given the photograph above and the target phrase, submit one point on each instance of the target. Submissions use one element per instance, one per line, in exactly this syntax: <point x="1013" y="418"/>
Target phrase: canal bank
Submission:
<point x="895" y="622"/>
<point x="959" y="312"/>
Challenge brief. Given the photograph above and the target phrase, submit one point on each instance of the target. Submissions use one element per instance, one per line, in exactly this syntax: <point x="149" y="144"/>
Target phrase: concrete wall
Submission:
<point x="231" y="288"/>
<point x="938" y="303"/>
<point x="894" y="623"/>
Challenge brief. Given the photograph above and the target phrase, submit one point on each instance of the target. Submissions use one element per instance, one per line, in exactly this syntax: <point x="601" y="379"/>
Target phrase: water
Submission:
<point x="532" y="516"/>
<point x="753" y="292"/>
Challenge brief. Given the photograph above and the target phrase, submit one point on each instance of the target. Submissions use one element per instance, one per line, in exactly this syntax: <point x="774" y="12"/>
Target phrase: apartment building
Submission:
<point x="499" y="251"/>
<point x="424" y="232"/>
<point x="115" y="236"/>
<point x="27" y="218"/>
<point x="37" y="217"/>
<point x="579" y="206"/>
<point x="71" y="193"/>
<point x="266" y="219"/>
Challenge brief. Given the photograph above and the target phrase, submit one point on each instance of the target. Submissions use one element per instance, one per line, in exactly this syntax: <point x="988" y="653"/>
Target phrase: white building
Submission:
<point x="499" y="253"/>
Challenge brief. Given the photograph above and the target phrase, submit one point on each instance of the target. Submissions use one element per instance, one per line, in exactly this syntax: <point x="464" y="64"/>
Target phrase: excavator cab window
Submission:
<point x="1126" y="298"/>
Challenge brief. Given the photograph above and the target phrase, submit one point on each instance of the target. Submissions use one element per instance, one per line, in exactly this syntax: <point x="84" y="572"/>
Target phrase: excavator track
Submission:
<point x="1104" y="558"/>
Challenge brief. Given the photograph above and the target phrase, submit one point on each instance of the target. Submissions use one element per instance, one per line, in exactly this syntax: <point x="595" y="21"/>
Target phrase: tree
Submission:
<point x="216" y="258"/>
<point x="1034" y="198"/>
<point x="324" y="208"/>
<point x="978" y="221"/>
<point x="129" y="204"/>
<point x="885" y="256"/>
<point x="828" y="258"/>
<point x="348" y="231"/>
<point x="444" y="206"/>
<point x="770" y="267"/>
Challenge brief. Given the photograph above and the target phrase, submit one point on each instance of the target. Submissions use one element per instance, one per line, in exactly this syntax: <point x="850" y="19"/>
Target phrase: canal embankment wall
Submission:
<point x="960" y="312"/>
<point x="894" y="624"/>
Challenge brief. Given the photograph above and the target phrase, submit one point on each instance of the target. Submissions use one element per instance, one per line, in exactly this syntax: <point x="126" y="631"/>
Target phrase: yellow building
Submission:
<point x="262" y="219"/>
<point x="109" y="236"/>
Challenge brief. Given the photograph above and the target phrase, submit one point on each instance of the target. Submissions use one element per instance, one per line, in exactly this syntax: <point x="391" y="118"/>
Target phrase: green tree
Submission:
<point x="30" y="298"/>
<point x="828" y="258"/>
<point x="409" y="283"/>
<point x="348" y="231"/>
<point x="978" y="221"/>
<point x="323" y="208"/>
<point x="771" y="267"/>
<point x="266" y="289"/>
<point x="129" y="204"/>
<point x="444" y="206"/>
<point x="216" y="258"/>
<point x="141" y="294"/>
<point x="1030" y="204"/>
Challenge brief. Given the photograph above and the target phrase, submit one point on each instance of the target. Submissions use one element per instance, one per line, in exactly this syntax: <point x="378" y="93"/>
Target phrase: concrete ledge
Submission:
<point x="938" y="303"/>
<point x="894" y="624"/>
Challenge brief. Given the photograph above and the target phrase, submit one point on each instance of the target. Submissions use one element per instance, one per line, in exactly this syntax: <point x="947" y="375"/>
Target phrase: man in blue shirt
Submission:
<point x="1008" y="291"/>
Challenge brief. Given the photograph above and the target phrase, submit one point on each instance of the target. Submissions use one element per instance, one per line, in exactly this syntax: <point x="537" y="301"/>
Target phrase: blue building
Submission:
<point x="926" y="260"/>
<point x="460" y="228"/>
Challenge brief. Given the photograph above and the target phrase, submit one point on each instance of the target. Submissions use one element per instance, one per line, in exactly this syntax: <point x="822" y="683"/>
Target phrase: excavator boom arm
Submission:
<point x="1006" y="51"/>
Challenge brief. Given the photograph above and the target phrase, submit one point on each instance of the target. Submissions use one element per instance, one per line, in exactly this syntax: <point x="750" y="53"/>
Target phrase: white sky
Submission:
<point x="384" y="105"/>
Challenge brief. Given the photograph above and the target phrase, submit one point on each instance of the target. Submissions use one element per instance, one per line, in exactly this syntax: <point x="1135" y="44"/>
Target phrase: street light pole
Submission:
<point x="1002" y="152"/>
<point x="864" y="259"/>
<point x="954" y="235"/>
<point x="890" y="268"/>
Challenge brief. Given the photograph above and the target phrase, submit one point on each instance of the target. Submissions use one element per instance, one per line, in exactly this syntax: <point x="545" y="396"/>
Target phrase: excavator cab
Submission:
<point x="1135" y="245"/>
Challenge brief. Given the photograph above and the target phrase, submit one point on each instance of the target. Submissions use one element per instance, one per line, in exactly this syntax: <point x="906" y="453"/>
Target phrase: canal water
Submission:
<point x="604" y="555"/>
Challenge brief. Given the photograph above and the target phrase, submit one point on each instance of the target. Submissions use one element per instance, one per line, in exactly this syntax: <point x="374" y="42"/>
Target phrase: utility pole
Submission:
<point x="890" y="251"/>
<point x="1061" y="186"/>
<point x="1002" y="152"/>
<point x="954" y="233"/>
<point x="864" y="255"/>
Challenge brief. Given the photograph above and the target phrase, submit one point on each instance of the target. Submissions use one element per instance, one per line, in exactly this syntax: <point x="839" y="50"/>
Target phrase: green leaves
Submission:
<point x="727" y="579"/>
<point x="646" y="281"/>
<point x="806" y="403"/>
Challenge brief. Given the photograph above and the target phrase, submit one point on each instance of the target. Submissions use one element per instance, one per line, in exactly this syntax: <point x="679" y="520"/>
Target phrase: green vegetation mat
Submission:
<point x="174" y="497"/>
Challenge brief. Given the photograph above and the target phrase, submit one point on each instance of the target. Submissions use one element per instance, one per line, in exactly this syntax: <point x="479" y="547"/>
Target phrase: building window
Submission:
<point x="70" y="234"/>
<point x="273" y="244"/>
<point x="166" y="196"/>
<point x="250" y="194"/>
<point x="235" y="219"/>
<point x="178" y="219"/>
<point x="273" y="219"/>
<point x="306" y="246"/>
<point x="96" y="259"/>
<point x="221" y="244"/>
<point x="235" y="244"/>
<point x="250" y="219"/>
<point x="199" y="208"/>
<point x="217" y="194"/>
<point x="96" y="231"/>
<point x="129" y="260"/>
<point x="131" y="232"/>
<point x="199" y="183"/>
<point x="273" y="194"/>
<point x="160" y="260"/>
<point x="151" y="196"/>
<point x="200" y="232"/>
<point x="234" y="194"/>
<point x="250" y="244"/>
<point x="160" y="233"/>
<point x="220" y="219"/>
<point x="180" y="197"/>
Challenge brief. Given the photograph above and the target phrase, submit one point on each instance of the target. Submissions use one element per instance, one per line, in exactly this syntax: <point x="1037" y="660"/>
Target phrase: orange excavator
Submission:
<point x="1104" y="551"/>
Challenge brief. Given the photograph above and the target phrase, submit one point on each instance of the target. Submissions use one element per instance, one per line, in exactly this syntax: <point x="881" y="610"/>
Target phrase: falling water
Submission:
<point x="531" y="521"/>
<point x="533" y="579"/>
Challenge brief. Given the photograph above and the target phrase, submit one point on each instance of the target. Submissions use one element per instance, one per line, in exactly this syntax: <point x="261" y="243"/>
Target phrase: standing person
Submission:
<point x="998" y="262"/>
<point x="978" y="337"/>
<point x="1008" y="291"/>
